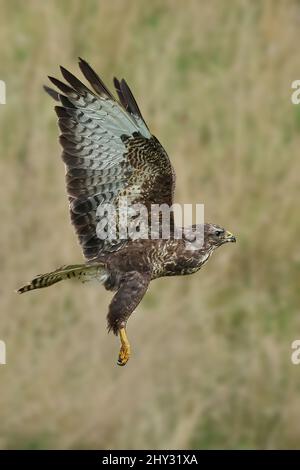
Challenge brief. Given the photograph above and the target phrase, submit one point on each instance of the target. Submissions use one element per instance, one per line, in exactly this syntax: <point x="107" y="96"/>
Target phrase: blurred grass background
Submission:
<point x="211" y="353"/>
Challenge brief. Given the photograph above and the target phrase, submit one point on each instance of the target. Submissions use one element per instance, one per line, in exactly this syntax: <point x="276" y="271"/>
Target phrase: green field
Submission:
<point x="211" y="361"/>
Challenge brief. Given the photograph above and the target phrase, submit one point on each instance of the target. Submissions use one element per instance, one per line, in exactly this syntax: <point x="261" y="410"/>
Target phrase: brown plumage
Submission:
<point x="110" y="155"/>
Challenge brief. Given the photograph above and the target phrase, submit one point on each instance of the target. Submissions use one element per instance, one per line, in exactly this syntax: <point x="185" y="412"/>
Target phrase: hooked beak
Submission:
<point x="229" y="237"/>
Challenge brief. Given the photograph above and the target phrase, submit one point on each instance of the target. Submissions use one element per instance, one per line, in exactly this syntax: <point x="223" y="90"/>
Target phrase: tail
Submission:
<point x="82" y="272"/>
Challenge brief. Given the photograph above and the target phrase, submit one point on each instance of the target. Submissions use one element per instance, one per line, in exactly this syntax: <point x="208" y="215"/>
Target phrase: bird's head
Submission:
<point x="215" y="236"/>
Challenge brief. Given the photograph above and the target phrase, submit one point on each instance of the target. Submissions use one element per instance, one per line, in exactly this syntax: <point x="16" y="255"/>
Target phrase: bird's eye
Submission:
<point x="218" y="232"/>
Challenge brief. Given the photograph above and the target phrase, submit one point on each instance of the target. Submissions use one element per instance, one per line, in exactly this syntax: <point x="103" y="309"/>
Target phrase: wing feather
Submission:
<point x="108" y="151"/>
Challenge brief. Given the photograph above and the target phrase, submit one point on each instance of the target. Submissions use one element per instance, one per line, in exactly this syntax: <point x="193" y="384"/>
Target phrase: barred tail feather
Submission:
<point x="81" y="272"/>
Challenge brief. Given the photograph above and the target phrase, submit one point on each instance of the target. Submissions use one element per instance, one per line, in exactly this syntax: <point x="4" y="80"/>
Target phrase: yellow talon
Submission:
<point x="124" y="353"/>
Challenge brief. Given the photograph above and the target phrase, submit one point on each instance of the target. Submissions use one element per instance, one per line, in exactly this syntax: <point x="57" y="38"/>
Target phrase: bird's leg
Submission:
<point x="124" y="353"/>
<point x="132" y="288"/>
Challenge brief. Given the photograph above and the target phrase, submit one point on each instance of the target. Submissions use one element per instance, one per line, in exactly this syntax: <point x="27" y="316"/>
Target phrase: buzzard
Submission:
<point x="110" y="154"/>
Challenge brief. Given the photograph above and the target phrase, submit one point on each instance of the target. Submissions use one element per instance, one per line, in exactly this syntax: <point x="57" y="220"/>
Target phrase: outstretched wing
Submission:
<point x="109" y="153"/>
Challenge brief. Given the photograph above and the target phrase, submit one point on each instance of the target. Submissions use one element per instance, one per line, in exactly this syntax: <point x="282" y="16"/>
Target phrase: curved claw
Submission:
<point x="124" y="353"/>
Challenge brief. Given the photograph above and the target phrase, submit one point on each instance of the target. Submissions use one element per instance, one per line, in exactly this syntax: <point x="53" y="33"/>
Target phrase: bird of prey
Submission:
<point x="110" y="153"/>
